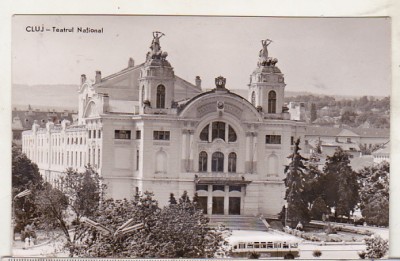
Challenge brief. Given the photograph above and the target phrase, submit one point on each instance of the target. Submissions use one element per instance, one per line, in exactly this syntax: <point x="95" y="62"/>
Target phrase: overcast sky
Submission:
<point x="340" y="56"/>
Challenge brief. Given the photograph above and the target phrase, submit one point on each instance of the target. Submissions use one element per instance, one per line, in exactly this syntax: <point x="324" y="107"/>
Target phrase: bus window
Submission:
<point x="293" y="245"/>
<point x="270" y="245"/>
<point x="249" y="245"/>
<point x="242" y="245"/>
<point x="263" y="245"/>
<point x="285" y="245"/>
<point x="256" y="244"/>
<point x="277" y="245"/>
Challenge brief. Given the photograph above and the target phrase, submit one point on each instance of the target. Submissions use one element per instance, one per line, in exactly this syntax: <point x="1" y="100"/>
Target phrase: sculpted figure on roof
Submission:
<point x="264" y="52"/>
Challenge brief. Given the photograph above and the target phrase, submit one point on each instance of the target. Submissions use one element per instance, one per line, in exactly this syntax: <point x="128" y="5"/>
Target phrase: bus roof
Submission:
<point x="238" y="236"/>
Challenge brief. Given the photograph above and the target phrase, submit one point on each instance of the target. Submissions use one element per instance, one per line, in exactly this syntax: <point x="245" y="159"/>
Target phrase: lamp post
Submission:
<point x="22" y="194"/>
<point x="286" y="213"/>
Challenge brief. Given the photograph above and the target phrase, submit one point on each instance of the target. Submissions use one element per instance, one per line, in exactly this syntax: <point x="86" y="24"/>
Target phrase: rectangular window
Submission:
<point x="99" y="134"/>
<point x="219" y="187"/>
<point x="273" y="139"/>
<point x="137" y="159"/>
<point x="138" y="134"/>
<point x="98" y="158"/>
<point x="122" y="134"/>
<point x="161" y="135"/>
<point x="202" y="187"/>
<point x="94" y="134"/>
<point x="90" y="134"/>
<point x="292" y="140"/>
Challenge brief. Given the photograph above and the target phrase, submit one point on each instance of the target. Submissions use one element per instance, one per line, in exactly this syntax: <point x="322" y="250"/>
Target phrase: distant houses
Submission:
<point x="24" y="119"/>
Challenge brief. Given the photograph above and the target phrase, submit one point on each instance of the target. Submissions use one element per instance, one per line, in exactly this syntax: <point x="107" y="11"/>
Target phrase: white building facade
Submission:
<point x="146" y="129"/>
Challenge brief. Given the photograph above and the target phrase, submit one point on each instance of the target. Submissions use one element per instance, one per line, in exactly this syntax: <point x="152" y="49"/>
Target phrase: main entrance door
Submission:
<point x="234" y="205"/>
<point x="202" y="201"/>
<point x="218" y="206"/>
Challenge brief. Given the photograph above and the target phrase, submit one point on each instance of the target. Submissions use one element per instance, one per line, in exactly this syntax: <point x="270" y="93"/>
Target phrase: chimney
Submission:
<point x="131" y="62"/>
<point x="83" y="78"/>
<point x="198" y="81"/>
<point x="98" y="77"/>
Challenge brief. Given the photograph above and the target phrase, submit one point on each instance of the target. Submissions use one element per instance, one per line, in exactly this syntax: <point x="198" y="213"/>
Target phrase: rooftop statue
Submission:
<point x="264" y="52"/>
<point x="155" y="47"/>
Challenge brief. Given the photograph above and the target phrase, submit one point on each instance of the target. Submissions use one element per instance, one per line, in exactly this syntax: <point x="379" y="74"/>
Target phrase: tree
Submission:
<point x="313" y="112"/>
<point x="296" y="185"/>
<point x="177" y="230"/>
<point x="374" y="194"/>
<point x="25" y="176"/>
<point x="340" y="182"/>
<point x="376" y="247"/>
<point x="80" y="195"/>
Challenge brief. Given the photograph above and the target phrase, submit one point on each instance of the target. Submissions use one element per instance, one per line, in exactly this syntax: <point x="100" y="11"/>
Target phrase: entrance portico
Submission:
<point x="219" y="196"/>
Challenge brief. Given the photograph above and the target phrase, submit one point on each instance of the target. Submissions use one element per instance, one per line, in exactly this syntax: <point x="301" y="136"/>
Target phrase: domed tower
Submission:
<point x="156" y="82"/>
<point x="267" y="86"/>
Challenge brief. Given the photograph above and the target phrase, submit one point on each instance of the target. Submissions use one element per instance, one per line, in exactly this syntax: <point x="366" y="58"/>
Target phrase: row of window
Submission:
<point x="271" y="101"/>
<point x="126" y="135"/>
<point x="219" y="187"/>
<point x="217" y="162"/>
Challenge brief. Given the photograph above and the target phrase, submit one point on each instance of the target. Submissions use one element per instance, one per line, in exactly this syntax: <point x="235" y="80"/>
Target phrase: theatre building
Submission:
<point x="146" y="129"/>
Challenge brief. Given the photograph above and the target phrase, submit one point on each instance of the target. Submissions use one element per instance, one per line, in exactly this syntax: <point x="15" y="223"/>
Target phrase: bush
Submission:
<point x="376" y="247"/>
<point x="362" y="254"/>
<point x="254" y="255"/>
<point x="317" y="253"/>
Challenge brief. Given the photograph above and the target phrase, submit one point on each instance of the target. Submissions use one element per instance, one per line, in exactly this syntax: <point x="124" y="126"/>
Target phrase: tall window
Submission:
<point x="272" y="102"/>
<point x="253" y="98"/>
<point x="204" y="133"/>
<point x="203" y="161"/>
<point x="232" y="162"/>
<point x="217" y="162"/>
<point x="160" y="103"/>
<point x="218" y="130"/>
<point x="231" y="134"/>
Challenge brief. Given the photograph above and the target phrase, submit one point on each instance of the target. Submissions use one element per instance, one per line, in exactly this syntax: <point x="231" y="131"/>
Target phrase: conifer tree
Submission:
<point x="295" y="181"/>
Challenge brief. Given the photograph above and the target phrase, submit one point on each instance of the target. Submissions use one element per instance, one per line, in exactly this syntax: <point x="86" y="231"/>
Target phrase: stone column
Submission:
<point x="226" y="200"/>
<point x="255" y="148"/>
<point x="247" y="164"/>
<point x="191" y="152"/>
<point x="184" y="163"/>
<point x="209" y="200"/>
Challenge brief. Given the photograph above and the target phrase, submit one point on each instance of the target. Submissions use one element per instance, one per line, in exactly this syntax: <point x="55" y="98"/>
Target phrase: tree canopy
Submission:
<point x="178" y="230"/>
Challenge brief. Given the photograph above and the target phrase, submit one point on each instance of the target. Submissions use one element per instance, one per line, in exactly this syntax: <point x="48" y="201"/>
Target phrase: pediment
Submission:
<point x="91" y="110"/>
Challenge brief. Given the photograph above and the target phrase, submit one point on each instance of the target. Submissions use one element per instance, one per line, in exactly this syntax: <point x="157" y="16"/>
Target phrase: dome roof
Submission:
<point x="267" y="69"/>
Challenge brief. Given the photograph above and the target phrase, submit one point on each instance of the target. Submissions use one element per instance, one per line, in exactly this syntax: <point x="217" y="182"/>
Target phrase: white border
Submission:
<point x="337" y="8"/>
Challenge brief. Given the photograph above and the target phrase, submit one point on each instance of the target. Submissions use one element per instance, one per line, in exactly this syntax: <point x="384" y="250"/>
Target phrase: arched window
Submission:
<point x="142" y="93"/>
<point x="203" y="161"/>
<point x="231" y="134"/>
<point x="204" y="133"/>
<point x="217" y="162"/>
<point x="161" y="162"/>
<point x="272" y="102"/>
<point x="160" y="103"/>
<point x="272" y="165"/>
<point x="253" y="98"/>
<point x="218" y="130"/>
<point x="232" y="162"/>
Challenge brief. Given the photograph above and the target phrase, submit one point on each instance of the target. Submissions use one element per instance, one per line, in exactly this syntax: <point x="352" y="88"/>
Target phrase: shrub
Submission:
<point x="317" y="253"/>
<point x="376" y="247"/>
<point x="254" y="255"/>
<point x="362" y="254"/>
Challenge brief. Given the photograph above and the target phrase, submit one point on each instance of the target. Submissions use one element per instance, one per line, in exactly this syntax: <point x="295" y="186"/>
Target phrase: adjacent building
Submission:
<point x="146" y="129"/>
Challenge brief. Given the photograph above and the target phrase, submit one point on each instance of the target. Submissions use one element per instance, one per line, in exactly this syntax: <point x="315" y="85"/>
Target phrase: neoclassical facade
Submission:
<point x="146" y="129"/>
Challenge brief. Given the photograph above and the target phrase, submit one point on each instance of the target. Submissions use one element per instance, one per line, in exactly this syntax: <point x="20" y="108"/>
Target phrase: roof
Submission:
<point x="122" y="106"/>
<point x="122" y="72"/>
<point x="260" y="236"/>
<point x="26" y="118"/>
<point x="385" y="150"/>
<point x="343" y="132"/>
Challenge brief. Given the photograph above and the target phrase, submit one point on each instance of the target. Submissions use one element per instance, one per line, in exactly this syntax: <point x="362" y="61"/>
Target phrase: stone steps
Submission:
<point x="238" y="222"/>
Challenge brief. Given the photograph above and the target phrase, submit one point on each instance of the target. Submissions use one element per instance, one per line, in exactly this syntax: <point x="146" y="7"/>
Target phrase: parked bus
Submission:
<point x="265" y="244"/>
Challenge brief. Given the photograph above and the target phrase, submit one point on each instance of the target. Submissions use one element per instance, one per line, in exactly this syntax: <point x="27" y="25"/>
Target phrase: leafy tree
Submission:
<point x="374" y="194"/>
<point x="319" y="208"/>
<point x="177" y="230"/>
<point x="25" y="176"/>
<point x="296" y="185"/>
<point x="340" y="182"/>
<point x="80" y="195"/>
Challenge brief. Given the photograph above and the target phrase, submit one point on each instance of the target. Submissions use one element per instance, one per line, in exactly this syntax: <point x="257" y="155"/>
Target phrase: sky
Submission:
<point x="334" y="56"/>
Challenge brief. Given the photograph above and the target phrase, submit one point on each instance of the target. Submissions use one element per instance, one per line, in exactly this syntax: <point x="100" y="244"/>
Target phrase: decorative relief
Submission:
<point x="205" y="109"/>
<point x="160" y="143"/>
<point x="233" y="110"/>
<point x="122" y="142"/>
